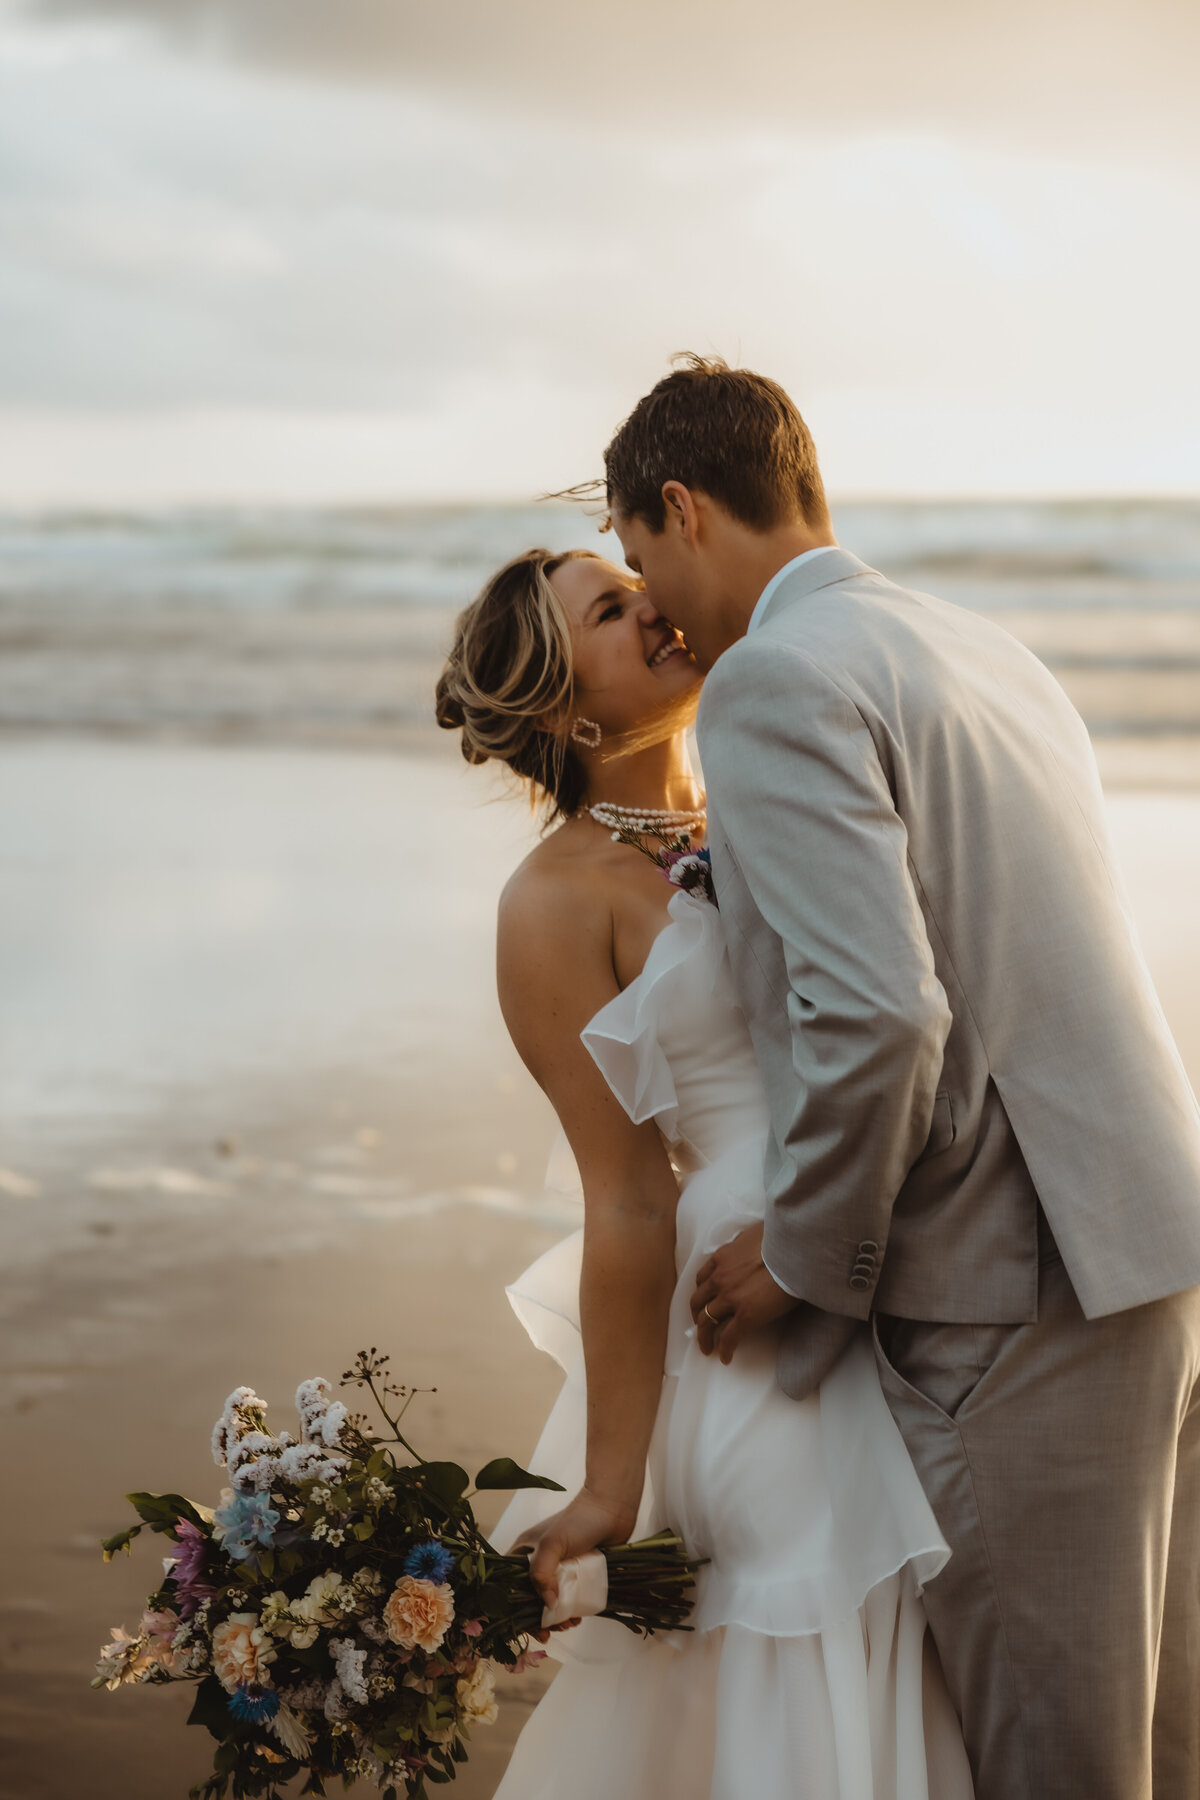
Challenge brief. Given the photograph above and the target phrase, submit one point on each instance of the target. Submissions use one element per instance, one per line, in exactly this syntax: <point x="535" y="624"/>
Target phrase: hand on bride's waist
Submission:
<point x="735" y="1294"/>
<point x="588" y="1522"/>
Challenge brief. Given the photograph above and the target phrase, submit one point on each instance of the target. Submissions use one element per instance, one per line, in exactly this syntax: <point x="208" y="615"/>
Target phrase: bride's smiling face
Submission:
<point x="629" y="663"/>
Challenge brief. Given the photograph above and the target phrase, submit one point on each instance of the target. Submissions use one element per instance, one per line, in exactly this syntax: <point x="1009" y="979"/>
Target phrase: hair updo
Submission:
<point x="509" y="680"/>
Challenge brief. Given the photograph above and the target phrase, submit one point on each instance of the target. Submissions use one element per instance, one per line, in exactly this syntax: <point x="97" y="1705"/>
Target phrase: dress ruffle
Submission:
<point x="623" y="1037"/>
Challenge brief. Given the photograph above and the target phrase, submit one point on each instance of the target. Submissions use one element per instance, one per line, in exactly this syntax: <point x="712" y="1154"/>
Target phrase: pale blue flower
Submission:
<point x="245" y="1521"/>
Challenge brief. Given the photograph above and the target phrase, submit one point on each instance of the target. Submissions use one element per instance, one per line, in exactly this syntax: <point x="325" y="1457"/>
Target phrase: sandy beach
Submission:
<point x="259" y="1109"/>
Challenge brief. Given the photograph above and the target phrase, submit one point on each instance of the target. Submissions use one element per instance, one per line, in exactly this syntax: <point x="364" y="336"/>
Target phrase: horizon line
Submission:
<point x="111" y="506"/>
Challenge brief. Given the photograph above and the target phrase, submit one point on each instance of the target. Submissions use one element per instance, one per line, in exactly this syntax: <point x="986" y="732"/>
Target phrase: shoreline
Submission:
<point x="1150" y="761"/>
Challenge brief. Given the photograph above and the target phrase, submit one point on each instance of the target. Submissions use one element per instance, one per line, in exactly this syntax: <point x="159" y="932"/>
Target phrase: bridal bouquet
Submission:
<point x="340" y="1610"/>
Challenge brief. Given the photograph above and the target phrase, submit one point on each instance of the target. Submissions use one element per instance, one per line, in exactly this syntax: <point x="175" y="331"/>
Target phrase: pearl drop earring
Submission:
<point x="587" y="733"/>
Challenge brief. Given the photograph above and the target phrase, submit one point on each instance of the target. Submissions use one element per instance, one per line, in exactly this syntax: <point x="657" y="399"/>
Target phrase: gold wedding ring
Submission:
<point x="709" y="1316"/>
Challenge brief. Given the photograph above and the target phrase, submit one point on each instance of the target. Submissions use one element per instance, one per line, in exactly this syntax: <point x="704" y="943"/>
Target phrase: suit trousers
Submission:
<point x="1062" y="1460"/>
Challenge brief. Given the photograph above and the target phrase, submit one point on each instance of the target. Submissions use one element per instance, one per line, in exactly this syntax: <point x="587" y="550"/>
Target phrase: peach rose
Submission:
<point x="241" y="1651"/>
<point x="419" y="1613"/>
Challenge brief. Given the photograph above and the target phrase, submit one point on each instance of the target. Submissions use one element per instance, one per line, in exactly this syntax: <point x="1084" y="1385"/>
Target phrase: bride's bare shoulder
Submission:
<point x="558" y="894"/>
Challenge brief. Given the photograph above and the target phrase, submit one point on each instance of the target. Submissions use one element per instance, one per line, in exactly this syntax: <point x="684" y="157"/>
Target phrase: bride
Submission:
<point x="809" y="1674"/>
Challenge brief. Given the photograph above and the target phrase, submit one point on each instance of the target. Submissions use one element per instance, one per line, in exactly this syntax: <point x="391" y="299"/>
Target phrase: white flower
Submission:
<point x="122" y="1659"/>
<point x="189" y="1659"/>
<point x="335" y="1707"/>
<point x="349" y="1662"/>
<point x="329" y="1534"/>
<point x="275" y="1614"/>
<point x="325" y="1602"/>
<point x="305" y="1696"/>
<point x="686" y="871"/>
<point x="290" y="1732"/>
<point x="242" y="1412"/>
<point x="331" y="1424"/>
<point x="300" y="1462"/>
<point x="321" y="1599"/>
<point x="368" y="1765"/>
<point x="476" y="1696"/>
<point x="312" y="1401"/>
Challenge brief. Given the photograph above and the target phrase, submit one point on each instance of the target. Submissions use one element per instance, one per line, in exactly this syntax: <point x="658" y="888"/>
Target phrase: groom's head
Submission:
<point x="713" y="484"/>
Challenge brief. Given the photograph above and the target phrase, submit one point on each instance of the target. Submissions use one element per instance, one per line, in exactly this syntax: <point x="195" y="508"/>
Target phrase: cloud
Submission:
<point x="364" y="283"/>
<point x="1115" y="74"/>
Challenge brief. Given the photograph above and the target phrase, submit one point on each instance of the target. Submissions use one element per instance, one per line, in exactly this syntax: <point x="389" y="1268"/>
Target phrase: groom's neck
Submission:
<point x="754" y="558"/>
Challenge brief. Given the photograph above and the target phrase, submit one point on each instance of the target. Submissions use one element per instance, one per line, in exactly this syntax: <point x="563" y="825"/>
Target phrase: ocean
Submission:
<point x="247" y="916"/>
<point x="327" y="626"/>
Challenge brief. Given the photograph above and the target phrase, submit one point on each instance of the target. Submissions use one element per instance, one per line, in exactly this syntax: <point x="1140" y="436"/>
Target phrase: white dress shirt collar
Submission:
<point x="764" y="599"/>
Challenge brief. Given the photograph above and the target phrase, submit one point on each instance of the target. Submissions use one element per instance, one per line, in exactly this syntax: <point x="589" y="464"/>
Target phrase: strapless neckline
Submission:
<point x="647" y="975"/>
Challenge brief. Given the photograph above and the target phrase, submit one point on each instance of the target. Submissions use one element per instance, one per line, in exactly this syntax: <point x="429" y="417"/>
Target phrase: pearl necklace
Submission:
<point x="640" y="819"/>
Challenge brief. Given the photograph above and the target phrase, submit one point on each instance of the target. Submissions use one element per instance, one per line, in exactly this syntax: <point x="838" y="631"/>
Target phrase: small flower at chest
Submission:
<point x="667" y="839"/>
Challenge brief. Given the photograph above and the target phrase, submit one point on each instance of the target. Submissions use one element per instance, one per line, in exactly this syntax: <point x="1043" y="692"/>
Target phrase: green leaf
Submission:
<point x="503" y="1472"/>
<point x="120" y="1540"/>
<point x="162" y="1511"/>
<point x="363" y="1530"/>
<point x="211" y="1708"/>
<point x="445" y="1482"/>
<point x="226" y="1759"/>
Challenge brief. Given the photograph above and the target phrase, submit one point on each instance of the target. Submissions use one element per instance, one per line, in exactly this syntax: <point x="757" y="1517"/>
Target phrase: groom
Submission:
<point x="983" y="1141"/>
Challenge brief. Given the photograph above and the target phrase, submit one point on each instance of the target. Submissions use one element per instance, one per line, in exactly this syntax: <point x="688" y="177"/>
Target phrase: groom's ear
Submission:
<point x="682" y="514"/>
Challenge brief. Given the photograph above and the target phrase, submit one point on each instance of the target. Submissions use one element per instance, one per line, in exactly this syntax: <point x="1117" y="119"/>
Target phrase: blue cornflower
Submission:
<point x="253" y="1705"/>
<point x="245" y="1521"/>
<point x="430" y="1562"/>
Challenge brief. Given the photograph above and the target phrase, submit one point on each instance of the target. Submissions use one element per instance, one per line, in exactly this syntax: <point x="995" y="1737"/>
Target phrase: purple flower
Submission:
<point x="430" y="1561"/>
<point x="691" y="871"/>
<point x="187" y="1571"/>
<point x="253" y="1705"/>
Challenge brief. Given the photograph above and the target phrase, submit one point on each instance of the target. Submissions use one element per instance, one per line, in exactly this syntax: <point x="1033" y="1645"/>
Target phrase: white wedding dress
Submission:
<point x="807" y="1675"/>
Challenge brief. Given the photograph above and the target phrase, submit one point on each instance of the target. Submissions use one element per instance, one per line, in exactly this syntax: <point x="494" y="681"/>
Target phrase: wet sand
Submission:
<point x="259" y="1109"/>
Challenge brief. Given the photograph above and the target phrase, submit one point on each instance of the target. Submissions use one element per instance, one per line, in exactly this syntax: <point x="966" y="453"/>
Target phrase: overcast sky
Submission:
<point x="339" y="249"/>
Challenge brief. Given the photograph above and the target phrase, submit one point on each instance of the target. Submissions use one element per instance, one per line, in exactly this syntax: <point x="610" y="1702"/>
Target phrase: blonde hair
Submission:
<point x="509" y="680"/>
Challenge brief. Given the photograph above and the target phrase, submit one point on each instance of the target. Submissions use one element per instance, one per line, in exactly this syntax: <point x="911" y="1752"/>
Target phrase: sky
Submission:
<point x="339" y="250"/>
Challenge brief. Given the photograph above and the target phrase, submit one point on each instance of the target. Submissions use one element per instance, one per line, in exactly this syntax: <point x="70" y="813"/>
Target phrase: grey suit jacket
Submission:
<point x="936" y="957"/>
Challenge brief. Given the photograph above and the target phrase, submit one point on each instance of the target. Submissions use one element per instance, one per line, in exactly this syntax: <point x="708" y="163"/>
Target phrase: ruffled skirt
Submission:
<point x="809" y="1674"/>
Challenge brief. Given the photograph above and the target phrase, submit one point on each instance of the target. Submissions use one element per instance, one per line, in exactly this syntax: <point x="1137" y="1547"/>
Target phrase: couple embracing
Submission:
<point x="886" y="1295"/>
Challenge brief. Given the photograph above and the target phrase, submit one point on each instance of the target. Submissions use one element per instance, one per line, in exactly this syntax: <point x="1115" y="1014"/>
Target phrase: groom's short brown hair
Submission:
<point x="734" y="435"/>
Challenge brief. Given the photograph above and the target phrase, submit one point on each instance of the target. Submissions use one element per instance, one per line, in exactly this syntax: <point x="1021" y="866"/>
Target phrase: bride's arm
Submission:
<point x="555" y="972"/>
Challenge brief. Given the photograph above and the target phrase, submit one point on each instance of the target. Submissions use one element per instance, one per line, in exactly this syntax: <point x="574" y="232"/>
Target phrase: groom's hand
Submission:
<point x="735" y="1294"/>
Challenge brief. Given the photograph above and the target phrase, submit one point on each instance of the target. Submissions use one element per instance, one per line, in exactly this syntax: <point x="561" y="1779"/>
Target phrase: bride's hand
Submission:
<point x="735" y="1294"/>
<point x="585" y="1524"/>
